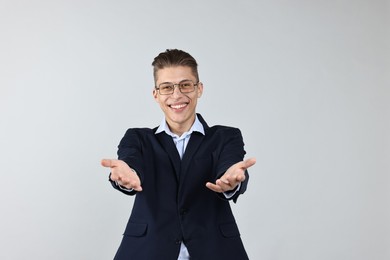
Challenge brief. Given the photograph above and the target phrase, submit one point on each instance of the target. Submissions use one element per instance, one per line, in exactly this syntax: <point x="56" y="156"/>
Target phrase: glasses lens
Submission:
<point x="187" y="86"/>
<point x="166" y="88"/>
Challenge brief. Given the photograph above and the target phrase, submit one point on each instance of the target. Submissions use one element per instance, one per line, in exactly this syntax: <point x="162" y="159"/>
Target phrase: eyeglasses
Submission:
<point x="185" y="86"/>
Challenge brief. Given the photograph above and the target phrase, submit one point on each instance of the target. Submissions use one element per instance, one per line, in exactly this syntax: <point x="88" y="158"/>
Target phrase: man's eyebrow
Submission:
<point x="176" y="83"/>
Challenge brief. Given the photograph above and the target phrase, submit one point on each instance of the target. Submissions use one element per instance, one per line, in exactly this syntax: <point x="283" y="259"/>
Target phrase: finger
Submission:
<point x="248" y="163"/>
<point x="214" y="187"/>
<point x="114" y="178"/>
<point x="137" y="188"/>
<point x="136" y="185"/>
<point x="225" y="186"/>
<point x="222" y="183"/>
<point x="225" y="180"/>
<point x="129" y="182"/>
<point x="107" y="163"/>
<point x="234" y="178"/>
<point x="240" y="177"/>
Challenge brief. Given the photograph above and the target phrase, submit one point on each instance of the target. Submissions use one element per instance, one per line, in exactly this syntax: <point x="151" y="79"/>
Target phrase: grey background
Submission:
<point x="306" y="81"/>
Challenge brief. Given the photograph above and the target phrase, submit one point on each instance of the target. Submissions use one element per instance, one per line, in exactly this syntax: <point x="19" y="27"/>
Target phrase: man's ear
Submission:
<point x="155" y="94"/>
<point x="200" y="89"/>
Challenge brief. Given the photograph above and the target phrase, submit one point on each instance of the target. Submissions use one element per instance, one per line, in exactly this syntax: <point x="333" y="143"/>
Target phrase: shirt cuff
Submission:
<point x="123" y="188"/>
<point x="229" y="194"/>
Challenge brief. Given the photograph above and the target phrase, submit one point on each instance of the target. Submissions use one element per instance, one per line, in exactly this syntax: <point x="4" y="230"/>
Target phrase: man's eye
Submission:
<point x="165" y="88"/>
<point x="186" y="85"/>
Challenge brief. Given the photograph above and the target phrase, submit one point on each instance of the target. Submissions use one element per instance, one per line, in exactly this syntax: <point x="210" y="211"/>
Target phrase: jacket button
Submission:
<point x="183" y="211"/>
<point x="178" y="242"/>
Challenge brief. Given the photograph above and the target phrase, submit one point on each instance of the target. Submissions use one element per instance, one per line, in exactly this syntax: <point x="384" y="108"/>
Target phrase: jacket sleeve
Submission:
<point x="232" y="151"/>
<point x="130" y="151"/>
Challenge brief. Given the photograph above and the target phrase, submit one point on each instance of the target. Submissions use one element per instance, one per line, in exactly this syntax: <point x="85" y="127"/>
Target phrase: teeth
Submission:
<point x="178" y="106"/>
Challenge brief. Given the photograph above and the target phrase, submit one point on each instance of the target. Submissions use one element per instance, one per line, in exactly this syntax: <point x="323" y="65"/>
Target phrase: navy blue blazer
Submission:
<point x="175" y="205"/>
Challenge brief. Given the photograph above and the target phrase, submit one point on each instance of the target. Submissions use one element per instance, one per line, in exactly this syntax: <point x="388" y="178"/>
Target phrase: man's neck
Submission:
<point x="180" y="129"/>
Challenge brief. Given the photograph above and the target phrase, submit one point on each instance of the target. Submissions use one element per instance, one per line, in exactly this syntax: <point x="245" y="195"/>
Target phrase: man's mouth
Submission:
<point x="178" y="106"/>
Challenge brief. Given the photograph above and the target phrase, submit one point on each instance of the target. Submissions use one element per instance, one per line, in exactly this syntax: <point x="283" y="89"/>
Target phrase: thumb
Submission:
<point x="107" y="163"/>
<point x="249" y="162"/>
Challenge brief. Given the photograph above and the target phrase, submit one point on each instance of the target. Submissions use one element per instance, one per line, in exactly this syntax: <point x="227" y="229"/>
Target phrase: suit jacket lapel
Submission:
<point x="192" y="146"/>
<point x="181" y="165"/>
<point x="170" y="148"/>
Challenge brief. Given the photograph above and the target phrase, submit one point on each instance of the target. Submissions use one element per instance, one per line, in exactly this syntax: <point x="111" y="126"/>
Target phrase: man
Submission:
<point x="183" y="174"/>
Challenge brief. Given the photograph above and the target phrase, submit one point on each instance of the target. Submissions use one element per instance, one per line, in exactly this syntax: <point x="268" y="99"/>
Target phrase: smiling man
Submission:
<point x="184" y="174"/>
<point x="178" y="101"/>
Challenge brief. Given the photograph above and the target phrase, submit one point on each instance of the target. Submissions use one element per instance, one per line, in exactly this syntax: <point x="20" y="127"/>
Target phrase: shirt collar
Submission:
<point x="196" y="127"/>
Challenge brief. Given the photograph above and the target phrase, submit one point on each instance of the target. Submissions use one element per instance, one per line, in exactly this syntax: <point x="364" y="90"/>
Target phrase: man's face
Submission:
<point x="179" y="108"/>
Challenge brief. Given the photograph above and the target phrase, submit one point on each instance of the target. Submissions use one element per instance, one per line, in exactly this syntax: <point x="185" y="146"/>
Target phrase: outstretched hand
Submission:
<point x="122" y="174"/>
<point x="232" y="177"/>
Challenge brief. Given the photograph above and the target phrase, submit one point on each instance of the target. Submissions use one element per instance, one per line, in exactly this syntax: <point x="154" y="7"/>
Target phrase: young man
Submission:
<point x="183" y="174"/>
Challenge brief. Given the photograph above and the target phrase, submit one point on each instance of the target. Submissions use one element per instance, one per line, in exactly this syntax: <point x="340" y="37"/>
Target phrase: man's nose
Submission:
<point x="176" y="90"/>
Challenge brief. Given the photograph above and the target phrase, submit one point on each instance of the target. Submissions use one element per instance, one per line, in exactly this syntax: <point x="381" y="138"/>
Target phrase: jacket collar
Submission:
<point x="196" y="127"/>
<point x="166" y="141"/>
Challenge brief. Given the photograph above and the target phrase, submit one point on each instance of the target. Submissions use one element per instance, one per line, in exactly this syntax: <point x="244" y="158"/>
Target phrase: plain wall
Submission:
<point x="307" y="82"/>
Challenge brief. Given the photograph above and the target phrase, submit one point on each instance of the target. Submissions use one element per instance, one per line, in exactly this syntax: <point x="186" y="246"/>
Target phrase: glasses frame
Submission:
<point x="177" y="85"/>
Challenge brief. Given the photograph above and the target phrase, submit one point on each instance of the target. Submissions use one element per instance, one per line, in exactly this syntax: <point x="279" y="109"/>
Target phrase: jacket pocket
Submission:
<point x="229" y="229"/>
<point x="135" y="229"/>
